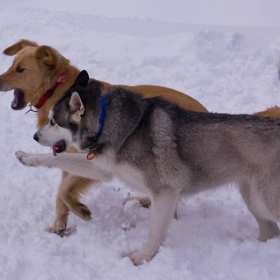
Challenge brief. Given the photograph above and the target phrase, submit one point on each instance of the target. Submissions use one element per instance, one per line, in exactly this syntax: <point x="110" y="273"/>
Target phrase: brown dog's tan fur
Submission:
<point x="273" y="112"/>
<point x="42" y="66"/>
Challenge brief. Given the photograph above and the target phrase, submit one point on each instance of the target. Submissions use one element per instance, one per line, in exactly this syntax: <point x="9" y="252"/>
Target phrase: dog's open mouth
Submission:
<point x="59" y="147"/>
<point x="18" y="102"/>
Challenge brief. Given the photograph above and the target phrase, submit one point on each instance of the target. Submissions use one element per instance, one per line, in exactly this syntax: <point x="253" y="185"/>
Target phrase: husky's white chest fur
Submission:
<point x="127" y="173"/>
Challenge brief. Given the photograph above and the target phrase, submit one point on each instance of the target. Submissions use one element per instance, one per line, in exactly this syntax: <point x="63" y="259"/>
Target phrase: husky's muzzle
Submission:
<point x="58" y="147"/>
<point x="36" y="137"/>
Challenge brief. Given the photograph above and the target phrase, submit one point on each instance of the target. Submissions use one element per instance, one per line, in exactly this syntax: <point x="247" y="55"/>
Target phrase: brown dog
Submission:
<point x="39" y="75"/>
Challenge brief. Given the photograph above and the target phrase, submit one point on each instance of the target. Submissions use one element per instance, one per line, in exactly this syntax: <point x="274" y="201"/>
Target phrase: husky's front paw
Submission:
<point x="27" y="159"/>
<point x="139" y="257"/>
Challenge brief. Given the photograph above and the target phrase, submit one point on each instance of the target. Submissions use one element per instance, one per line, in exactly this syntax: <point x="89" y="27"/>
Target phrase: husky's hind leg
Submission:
<point x="267" y="228"/>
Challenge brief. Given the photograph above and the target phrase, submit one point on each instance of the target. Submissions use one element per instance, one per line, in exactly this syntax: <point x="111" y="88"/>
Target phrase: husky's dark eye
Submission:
<point x="52" y="123"/>
<point x="19" y="69"/>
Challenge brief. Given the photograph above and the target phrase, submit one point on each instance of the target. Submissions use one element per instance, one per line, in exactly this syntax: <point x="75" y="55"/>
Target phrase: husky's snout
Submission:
<point x="36" y="137"/>
<point x="58" y="147"/>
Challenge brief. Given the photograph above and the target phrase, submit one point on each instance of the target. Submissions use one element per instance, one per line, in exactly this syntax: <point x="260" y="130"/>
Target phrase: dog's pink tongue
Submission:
<point x="59" y="147"/>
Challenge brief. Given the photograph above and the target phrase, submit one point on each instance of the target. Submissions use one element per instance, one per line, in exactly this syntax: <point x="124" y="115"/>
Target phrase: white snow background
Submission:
<point x="223" y="53"/>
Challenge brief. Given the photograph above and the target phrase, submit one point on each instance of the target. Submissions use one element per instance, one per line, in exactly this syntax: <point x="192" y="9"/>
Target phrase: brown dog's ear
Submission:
<point x="48" y="56"/>
<point x="14" y="49"/>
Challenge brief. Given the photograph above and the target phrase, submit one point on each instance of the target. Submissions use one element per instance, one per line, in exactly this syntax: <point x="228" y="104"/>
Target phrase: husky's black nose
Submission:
<point x="35" y="137"/>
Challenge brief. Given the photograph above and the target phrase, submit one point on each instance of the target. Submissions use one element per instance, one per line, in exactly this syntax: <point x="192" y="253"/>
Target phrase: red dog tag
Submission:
<point x="91" y="155"/>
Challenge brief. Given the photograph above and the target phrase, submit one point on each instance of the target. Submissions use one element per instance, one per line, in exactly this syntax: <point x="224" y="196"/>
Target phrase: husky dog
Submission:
<point x="163" y="150"/>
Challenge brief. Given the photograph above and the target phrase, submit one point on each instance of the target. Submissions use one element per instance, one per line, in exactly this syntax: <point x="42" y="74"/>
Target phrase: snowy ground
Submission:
<point x="228" y="69"/>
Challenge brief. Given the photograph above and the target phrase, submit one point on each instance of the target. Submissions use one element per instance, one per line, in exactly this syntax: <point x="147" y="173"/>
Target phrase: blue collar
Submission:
<point x="103" y="114"/>
<point x="101" y="120"/>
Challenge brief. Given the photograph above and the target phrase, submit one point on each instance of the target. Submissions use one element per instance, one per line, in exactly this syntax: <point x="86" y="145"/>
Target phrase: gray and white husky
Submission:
<point x="158" y="148"/>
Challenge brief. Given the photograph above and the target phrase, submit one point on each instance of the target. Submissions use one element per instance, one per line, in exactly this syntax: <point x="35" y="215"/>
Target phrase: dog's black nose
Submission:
<point x="35" y="137"/>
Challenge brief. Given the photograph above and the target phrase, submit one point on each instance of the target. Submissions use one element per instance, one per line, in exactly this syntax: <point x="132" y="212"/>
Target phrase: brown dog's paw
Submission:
<point x="58" y="227"/>
<point x="144" y="201"/>
<point x="82" y="211"/>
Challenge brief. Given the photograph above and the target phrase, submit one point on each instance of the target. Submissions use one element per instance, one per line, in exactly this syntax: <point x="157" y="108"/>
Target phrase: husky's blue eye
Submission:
<point x="52" y="123"/>
<point x="19" y="69"/>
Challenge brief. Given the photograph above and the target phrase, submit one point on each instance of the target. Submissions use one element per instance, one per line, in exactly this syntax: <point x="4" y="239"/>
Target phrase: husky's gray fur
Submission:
<point x="156" y="147"/>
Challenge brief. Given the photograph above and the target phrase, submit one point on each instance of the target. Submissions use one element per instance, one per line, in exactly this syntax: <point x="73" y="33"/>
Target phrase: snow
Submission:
<point x="223" y="53"/>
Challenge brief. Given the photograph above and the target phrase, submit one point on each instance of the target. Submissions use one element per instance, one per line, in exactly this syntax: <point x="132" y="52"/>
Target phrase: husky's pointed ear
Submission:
<point x="76" y="103"/>
<point x="15" y="48"/>
<point x="82" y="79"/>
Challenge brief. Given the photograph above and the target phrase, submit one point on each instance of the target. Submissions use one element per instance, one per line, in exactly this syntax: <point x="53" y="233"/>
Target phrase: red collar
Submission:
<point x="49" y="93"/>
